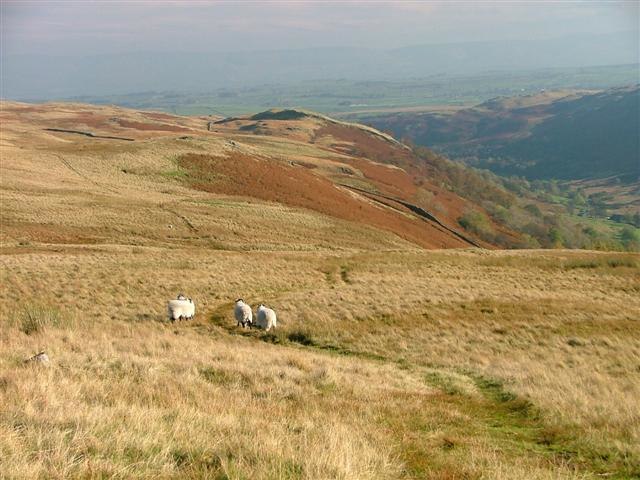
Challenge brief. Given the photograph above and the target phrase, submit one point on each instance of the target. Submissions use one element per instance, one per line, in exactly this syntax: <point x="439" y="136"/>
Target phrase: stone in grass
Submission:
<point x="575" y="342"/>
<point x="41" y="358"/>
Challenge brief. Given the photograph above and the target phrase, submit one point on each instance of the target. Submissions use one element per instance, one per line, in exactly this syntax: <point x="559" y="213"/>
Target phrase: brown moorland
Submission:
<point x="390" y="360"/>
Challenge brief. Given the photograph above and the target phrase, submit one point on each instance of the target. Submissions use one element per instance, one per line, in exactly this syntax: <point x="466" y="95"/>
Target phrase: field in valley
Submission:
<point x="353" y="99"/>
<point x="392" y="358"/>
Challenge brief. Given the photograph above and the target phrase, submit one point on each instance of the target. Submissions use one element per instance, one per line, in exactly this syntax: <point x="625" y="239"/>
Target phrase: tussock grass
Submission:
<point x="34" y="318"/>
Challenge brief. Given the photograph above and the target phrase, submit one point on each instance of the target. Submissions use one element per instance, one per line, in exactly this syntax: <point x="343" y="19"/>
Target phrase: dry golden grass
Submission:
<point x="388" y="362"/>
<point x="375" y="372"/>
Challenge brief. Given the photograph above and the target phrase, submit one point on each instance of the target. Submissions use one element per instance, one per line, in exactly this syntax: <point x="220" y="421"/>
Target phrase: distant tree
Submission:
<point x="555" y="237"/>
<point x="533" y="209"/>
<point x="630" y="238"/>
<point x="590" y="232"/>
<point x="537" y="231"/>
<point x="478" y="223"/>
<point x="553" y="188"/>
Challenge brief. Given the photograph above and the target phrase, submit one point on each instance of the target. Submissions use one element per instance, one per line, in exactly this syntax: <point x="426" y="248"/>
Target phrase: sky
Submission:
<point x="84" y="28"/>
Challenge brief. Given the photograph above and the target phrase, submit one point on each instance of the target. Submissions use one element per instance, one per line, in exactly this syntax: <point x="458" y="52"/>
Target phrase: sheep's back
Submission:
<point x="180" y="308"/>
<point x="243" y="313"/>
<point x="266" y="318"/>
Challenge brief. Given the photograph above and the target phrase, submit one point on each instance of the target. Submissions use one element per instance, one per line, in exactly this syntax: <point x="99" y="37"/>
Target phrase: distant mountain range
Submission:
<point x="40" y="77"/>
<point x="551" y="135"/>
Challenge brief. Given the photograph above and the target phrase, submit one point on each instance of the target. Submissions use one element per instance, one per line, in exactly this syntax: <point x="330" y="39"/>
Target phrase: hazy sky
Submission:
<point x="88" y="28"/>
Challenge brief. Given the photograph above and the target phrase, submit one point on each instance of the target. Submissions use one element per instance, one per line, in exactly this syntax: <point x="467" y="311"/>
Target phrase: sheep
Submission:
<point x="192" y="309"/>
<point x="266" y="318"/>
<point x="182" y="308"/>
<point x="243" y="313"/>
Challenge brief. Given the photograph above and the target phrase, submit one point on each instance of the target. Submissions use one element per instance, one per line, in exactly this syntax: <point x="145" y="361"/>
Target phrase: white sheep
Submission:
<point x="182" y="308"/>
<point x="243" y="313"/>
<point x="266" y="318"/>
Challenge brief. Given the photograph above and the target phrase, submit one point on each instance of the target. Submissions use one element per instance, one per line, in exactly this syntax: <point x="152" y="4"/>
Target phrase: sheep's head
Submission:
<point x="181" y="296"/>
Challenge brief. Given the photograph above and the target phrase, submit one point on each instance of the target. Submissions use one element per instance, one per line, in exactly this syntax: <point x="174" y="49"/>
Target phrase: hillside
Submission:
<point x="155" y="164"/>
<point x="402" y="351"/>
<point x="562" y="135"/>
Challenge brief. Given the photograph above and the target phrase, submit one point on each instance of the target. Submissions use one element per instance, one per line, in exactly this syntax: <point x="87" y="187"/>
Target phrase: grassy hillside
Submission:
<point x="564" y="136"/>
<point x="392" y="358"/>
<point x="475" y="365"/>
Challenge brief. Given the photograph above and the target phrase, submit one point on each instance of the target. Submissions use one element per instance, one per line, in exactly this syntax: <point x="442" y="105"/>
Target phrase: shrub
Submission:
<point x="630" y="238"/>
<point x="555" y="237"/>
<point x="533" y="209"/>
<point x="478" y="223"/>
<point x="301" y="337"/>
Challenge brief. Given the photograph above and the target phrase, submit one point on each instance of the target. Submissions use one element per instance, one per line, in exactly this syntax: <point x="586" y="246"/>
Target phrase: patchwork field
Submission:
<point x="390" y="360"/>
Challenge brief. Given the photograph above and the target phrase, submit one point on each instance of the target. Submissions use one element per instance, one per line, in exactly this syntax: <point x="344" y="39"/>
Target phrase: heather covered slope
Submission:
<point x="150" y="165"/>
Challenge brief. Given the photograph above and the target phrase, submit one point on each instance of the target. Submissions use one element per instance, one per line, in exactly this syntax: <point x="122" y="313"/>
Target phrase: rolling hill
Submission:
<point x="133" y="160"/>
<point x="301" y="160"/>
<point x="561" y="135"/>
<point x="402" y="350"/>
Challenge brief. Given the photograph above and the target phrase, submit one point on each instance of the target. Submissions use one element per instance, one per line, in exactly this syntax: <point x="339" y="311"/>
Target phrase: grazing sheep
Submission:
<point x="243" y="313"/>
<point x="265" y="318"/>
<point x="181" y="309"/>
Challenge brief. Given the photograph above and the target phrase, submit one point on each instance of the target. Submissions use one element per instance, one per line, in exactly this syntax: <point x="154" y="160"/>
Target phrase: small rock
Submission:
<point x="575" y="342"/>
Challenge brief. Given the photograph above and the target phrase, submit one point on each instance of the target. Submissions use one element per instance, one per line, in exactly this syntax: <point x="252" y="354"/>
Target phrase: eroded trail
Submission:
<point x="427" y="427"/>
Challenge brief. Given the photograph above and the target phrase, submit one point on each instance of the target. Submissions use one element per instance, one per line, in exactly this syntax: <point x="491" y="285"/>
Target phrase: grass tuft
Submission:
<point x="36" y="318"/>
<point x="302" y="337"/>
